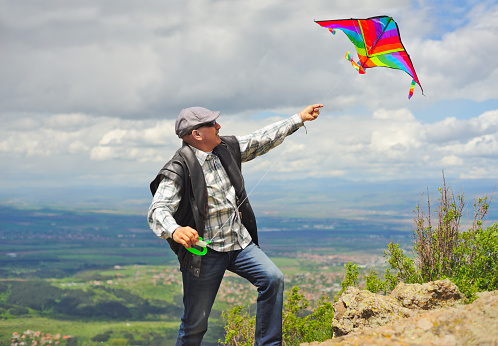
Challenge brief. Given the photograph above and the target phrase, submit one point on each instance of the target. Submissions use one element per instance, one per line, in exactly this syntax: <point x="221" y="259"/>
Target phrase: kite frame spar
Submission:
<point x="391" y="53"/>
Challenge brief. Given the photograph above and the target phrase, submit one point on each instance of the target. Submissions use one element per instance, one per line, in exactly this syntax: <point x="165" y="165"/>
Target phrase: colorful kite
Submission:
<point x="377" y="43"/>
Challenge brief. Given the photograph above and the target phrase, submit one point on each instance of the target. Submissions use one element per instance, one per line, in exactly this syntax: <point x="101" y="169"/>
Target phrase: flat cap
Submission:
<point x="190" y="118"/>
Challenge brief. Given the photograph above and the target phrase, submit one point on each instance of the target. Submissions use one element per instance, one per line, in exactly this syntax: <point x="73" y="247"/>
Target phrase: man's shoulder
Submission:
<point x="231" y="142"/>
<point x="174" y="170"/>
<point x="177" y="163"/>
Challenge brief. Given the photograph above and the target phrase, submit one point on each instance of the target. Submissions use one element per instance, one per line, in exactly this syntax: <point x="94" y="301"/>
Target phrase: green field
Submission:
<point x="83" y="332"/>
<point x="107" y="278"/>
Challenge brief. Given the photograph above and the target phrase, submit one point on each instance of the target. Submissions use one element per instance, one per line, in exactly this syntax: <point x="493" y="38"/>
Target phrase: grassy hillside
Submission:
<point x="106" y="276"/>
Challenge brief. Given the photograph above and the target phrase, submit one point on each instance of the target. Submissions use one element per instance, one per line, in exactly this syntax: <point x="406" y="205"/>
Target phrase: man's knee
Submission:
<point x="275" y="279"/>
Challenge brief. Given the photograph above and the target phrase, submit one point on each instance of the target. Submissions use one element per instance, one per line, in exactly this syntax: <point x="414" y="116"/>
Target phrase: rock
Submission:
<point x="431" y="295"/>
<point x="359" y="309"/>
<point x="473" y="324"/>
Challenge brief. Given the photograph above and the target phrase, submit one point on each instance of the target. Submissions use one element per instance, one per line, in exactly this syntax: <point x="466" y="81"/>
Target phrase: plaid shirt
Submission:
<point x="223" y="225"/>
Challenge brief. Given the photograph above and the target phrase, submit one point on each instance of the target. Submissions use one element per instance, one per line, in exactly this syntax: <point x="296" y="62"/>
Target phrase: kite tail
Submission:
<point x="357" y="67"/>
<point x="412" y="87"/>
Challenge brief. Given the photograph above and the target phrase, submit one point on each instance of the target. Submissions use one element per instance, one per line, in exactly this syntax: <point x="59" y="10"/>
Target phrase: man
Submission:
<point x="200" y="193"/>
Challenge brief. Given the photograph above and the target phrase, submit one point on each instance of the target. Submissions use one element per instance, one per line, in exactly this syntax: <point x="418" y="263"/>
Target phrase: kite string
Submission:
<point x="247" y="195"/>
<point x="274" y="162"/>
<point x="331" y="89"/>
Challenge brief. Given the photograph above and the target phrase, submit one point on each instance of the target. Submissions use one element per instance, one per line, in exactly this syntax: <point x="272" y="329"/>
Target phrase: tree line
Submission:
<point x="40" y="297"/>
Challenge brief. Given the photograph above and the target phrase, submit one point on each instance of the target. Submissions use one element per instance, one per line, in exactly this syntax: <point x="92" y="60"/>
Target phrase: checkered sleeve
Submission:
<point x="267" y="138"/>
<point x="164" y="204"/>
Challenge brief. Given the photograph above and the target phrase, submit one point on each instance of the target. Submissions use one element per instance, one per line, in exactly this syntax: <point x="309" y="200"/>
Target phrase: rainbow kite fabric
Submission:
<point x="377" y="43"/>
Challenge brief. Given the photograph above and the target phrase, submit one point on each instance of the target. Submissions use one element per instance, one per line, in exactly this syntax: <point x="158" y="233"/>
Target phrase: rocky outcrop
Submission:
<point x="428" y="314"/>
<point x="431" y="295"/>
<point x="359" y="309"/>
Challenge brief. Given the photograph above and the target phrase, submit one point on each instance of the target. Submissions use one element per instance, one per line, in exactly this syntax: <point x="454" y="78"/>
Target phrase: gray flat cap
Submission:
<point x="190" y="118"/>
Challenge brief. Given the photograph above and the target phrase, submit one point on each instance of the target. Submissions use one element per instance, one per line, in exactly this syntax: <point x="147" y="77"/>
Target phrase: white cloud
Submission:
<point x="113" y="137"/>
<point x="452" y="130"/>
<point x="385" y="145"/>
<point x="77" y="147"/>
<point x="451" y="160"/>
<point x="400" y="115"/>
<point x="81" y="82"/>
<point x="452" y="67"/>
<point x="67" y="121"/>
<point x="479" y="172"/>
<point x="152" y="59"/>
<point x="102" y="153"/>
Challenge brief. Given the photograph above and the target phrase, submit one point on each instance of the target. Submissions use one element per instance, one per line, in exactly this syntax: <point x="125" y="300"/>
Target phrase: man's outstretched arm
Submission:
<point x="270" y="136"/>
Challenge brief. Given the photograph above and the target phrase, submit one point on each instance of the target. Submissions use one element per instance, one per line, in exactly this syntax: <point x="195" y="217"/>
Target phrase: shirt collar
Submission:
<point x="202" y="156"/>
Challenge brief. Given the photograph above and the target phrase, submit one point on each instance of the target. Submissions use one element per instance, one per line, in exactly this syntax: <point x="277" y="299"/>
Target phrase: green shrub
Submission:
<point x="16" y="311"/>
<point x="102" y="337"/>
<point x="441" y="250"/>
<point x="373" y="283"/>
<point x="239" y="327"/>
<point x="314" y="327"/>
<point x="37" y="295"/>
<point x="350" y="278"/>
<point x="435" y="244"/>
<point x="477" y="269"/>
<point x="299" y="324"/>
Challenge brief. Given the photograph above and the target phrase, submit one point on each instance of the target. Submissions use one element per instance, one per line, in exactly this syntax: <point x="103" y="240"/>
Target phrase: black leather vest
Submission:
<point x="185" y="170"/>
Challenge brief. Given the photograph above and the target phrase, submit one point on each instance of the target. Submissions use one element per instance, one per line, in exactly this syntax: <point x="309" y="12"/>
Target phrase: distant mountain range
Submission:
<point x="392" y="200"/>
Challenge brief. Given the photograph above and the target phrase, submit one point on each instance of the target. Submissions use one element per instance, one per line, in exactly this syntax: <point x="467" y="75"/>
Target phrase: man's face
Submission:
<point x="210" y="134"/>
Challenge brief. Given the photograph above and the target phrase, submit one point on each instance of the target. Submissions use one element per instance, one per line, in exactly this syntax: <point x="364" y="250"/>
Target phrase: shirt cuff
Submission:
<point x="168" y="232"/>
<point x="296" y="122"/>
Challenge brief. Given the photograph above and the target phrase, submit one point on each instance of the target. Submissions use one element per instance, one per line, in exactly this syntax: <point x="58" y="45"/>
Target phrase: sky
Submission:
<point x="90" y="90"/>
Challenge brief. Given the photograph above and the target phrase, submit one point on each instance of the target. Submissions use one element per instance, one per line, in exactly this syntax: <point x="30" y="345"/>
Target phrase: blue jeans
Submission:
<point x="200" y="292"/>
